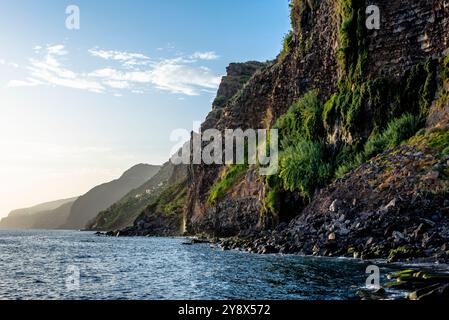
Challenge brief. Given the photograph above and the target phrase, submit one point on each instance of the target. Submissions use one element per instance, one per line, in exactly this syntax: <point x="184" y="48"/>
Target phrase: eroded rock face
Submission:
<point x="394" y="207"/>
<point x="411" y="32"/>
<point x="240" y="213"/>
<point x="266" y="96"/>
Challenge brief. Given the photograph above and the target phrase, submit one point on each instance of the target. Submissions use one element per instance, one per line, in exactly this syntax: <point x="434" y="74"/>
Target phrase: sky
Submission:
<point x="78" y="107"/>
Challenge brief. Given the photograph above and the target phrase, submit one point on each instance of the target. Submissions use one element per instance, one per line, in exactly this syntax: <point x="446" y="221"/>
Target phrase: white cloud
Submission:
<point x="209" y="55"/>
<point x="48" y="70"/>
<point x="128" y="59"/>
<point x="6" y="63"/>
<point x="173" y="75"/>
<point x="117" y="55"/>
<point x="135" y="72"/>
<point x="58" y="50"/>
<point x="184" y="79"/>
<point x="117" y="84"/>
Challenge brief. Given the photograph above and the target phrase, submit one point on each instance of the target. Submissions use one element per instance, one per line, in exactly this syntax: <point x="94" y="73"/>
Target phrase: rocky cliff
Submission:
<point x="362" y="116"/>
<point x="152" y="211"/>
<point x="344" y="98"/>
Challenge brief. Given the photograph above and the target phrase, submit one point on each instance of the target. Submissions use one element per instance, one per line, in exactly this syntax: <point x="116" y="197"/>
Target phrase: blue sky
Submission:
<point x="78" y="107"/>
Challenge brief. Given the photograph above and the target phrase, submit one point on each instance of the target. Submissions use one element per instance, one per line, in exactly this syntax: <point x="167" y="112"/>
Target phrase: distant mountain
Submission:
<point x="49" y="215"/>
<point x="53" y="219"/>
<point x="124" y="212"/>
<point x="86" y="207"/>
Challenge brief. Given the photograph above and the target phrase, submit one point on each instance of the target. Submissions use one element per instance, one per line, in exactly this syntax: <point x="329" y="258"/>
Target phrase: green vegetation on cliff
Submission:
<point x="171" y="202"/>
<point x="226" y="181"/>
<point x="353" y="52"/>
<point x="123" y="213"/>
<point x="321" y="141"/>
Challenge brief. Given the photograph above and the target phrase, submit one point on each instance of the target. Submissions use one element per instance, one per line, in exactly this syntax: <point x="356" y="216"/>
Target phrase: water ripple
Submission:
<point x="36" y="264"/>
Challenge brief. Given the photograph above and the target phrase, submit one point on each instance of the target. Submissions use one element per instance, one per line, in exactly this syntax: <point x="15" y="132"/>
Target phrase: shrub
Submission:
<point x="302" y="167"/>
<point x="397" y="131"/>
<point x="272" y="202"/>
<point x="302" y="120"/>
<point x="440" y="141"/>
<point x="418" y="88"/>
<point x="287" y="44"/>
<point x="352" y="54"/>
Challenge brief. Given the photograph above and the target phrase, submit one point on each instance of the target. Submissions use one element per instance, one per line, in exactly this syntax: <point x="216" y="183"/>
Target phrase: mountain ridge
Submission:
<point x="99" y="198"/>
<point x="28" y="218"/>
<point x="342" y="97"/>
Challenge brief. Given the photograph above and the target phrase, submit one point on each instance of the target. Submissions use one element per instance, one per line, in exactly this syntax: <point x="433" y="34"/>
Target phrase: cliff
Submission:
<point x="49" y="215"/>
<point x="362" y="116"/>
<point x="87" y="207"/>
<point x="124" y="212"/>
<point x="162" y="212"/>
<point x="344" y="99"/>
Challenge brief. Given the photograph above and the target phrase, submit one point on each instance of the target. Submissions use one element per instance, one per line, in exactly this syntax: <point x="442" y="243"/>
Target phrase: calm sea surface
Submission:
<point x="46" y="265"/>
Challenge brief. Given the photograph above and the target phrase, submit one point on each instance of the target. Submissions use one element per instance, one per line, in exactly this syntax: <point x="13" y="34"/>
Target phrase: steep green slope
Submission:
<point x="123" y="213"/>
<point x="164" y="217"/>
<point x="101" y="197"/>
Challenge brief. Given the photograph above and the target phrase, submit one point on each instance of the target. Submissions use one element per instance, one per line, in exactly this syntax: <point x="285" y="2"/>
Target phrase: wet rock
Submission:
<point x="398" y="236"/>
<point x="334" y="206"/>
<point x="269" y="250"/>
<point x="378" y="294"/>
<point x="435" y="293"/>
<point x="421" y="284"/>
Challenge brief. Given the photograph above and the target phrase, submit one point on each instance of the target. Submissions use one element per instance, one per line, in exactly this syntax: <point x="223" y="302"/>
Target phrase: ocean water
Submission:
<point x="80" y="265"/>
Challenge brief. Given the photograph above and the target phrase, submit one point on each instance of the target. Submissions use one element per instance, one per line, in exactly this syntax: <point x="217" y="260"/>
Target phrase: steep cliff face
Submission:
<point x="363" y="80"/>
<point x="308" y="62"/>
<point x="87" y="207"/>
<point x="164" y="216"/>
<point x="411" y="32"/>
<point x="124" y="212"/>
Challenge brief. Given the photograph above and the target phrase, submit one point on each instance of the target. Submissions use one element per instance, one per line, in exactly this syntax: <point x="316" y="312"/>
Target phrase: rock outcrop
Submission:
<point x="410" y="34"/>
<point x="165" y="215"/>
<point x="369" y="115"/>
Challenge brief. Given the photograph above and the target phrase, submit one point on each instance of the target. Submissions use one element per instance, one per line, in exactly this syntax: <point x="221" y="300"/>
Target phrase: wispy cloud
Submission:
<point x="48" y="70"/>
<point x="135" y="72"/>
<point x="129" y="59"/>
<point x="182" y="78"/>
<point x="209" y="55"/>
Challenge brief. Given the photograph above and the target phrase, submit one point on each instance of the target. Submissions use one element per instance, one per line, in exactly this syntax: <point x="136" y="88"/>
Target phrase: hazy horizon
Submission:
<point x="79" y="107"/>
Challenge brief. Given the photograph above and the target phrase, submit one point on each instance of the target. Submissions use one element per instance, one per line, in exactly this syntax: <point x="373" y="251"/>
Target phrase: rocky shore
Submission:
<point x="411" y="284"/>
